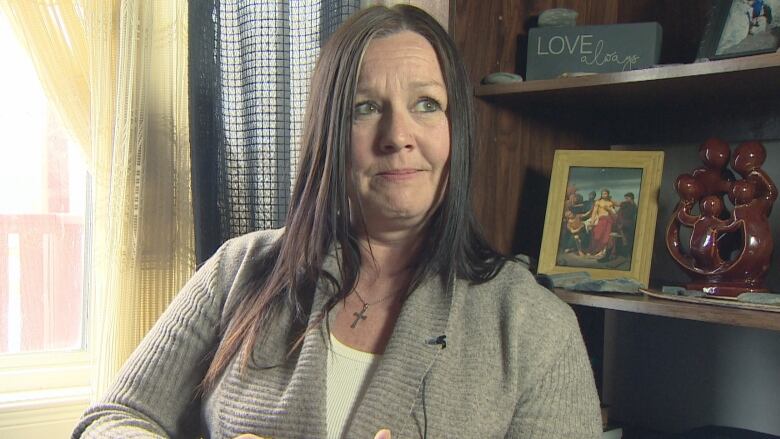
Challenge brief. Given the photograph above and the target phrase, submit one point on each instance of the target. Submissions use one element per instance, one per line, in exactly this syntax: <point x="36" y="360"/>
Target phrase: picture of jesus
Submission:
<point x="602" y="235"/>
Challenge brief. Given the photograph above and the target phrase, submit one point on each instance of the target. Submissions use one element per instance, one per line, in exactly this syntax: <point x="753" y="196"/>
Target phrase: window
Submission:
<point x="43" y="236"/>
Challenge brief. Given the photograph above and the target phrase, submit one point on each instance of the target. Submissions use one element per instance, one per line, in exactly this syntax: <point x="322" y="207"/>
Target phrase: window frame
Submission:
<point x="43" y="394"/>
<point x="22" y="373"/>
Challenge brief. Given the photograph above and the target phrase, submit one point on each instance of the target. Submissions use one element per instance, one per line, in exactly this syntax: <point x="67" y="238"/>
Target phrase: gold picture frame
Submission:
<point x="596" y="234"/>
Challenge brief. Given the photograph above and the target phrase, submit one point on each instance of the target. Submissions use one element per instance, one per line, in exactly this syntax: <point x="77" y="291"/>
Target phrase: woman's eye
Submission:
<point x="366" y="108"/>
<point x="427" y="105"/>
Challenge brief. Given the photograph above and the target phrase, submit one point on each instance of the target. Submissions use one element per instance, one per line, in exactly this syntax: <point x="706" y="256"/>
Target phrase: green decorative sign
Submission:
<point x="554" y="51"/>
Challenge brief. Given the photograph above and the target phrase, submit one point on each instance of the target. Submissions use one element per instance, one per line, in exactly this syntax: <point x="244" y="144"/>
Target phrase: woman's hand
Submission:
<point x="383" y="434"/>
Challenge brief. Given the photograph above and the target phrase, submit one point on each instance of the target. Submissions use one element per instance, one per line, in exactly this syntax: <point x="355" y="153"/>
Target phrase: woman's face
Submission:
<point x="400" y="133"/>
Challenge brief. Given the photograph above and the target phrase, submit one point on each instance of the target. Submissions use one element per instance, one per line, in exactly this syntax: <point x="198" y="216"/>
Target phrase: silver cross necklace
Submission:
<point x="362" y="314"/>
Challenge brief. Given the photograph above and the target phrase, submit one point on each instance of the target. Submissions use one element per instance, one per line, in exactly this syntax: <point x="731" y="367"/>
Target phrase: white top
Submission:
<point x="349" y="371"/>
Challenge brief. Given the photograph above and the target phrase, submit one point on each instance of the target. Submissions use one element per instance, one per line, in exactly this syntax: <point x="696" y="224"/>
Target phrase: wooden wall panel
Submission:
<point x="485" y="33"/>
<point x="515" y="152"/>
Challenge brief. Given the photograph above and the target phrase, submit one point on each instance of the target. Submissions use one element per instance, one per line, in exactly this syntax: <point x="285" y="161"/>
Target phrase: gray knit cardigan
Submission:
<point x="514" y="366"/>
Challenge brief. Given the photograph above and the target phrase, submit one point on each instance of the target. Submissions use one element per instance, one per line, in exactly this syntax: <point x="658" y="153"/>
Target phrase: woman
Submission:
<point x="379" y="306"/>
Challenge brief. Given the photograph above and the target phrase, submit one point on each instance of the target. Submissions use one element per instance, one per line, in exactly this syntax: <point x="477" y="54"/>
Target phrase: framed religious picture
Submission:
<point x="741" y="27"/>
<point x="601" y="213"/>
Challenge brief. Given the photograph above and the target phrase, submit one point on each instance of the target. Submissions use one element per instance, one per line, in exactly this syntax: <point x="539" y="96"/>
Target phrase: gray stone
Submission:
<point x="558" y="17"/>
<point x="565" y="280"/>
<point x="680" y="291"/>
<point x="620" y="285"/>
<point x="501" y="78"/>
<point x="761" y="298"/>
<point x="582" y="281"/>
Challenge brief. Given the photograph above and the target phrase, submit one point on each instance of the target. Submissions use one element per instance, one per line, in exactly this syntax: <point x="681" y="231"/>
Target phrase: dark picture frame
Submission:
<point x="740" y="28"/>
<point x="611" y="235"/>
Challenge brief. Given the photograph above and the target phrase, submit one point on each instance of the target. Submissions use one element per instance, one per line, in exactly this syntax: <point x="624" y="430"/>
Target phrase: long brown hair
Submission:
<point x="284" y="279"/>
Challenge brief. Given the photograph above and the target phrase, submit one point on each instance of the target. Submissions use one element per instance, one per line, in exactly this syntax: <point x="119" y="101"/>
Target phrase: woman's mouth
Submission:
<point x="399" y="174"/>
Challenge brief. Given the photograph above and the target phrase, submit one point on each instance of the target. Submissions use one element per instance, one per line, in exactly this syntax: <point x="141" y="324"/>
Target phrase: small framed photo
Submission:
<point x="741" y="27"/>
<point x="601" y="213"/>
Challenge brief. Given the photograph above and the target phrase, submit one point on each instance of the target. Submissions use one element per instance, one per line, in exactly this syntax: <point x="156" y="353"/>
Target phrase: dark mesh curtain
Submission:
<point x="250" y="62"/>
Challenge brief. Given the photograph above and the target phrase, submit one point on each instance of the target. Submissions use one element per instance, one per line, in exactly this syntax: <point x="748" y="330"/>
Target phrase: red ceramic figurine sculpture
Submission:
<point x="728" y="253"/>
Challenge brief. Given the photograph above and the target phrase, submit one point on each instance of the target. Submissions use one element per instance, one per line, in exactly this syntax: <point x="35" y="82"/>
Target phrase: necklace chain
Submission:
<point x="366" y="304"/>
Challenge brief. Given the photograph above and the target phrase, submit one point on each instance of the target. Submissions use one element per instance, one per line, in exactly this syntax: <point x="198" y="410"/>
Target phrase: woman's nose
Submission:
<point x="397" y="131"/>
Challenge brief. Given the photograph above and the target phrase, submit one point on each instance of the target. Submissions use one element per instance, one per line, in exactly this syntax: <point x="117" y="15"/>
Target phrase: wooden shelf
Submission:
<point x="667" y="85"/>
<point x="669" y="308"/>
